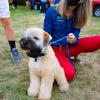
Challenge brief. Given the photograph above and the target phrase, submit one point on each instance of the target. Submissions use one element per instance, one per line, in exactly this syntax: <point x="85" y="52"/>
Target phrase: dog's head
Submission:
<point x="34" y="42"/>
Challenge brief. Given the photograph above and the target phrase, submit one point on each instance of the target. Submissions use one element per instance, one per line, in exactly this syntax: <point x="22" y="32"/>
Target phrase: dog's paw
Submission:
<point x="64" y="87"/>
<point x="31" y="92"/>
<point x="43" y="98"/>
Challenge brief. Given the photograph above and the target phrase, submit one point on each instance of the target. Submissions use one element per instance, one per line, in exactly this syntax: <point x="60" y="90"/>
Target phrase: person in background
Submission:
<point x="6" y="22"/>
<point x="56" y="1"/>
<point x="66" y="19"/>
<point x="43" y="6"/>
<point x="15" y="4"/>
<point x="51" y="2"/>
<point x="32" y="3"/>
<point x="47" y="4"/>
<point x="27" y="3"/>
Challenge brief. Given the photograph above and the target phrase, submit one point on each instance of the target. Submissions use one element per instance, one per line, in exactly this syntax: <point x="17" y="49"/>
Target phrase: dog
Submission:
<point x="43" y="64"/>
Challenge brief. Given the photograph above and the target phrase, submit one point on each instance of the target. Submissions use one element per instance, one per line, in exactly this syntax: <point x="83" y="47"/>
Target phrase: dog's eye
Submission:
<point x="36" y="38"/>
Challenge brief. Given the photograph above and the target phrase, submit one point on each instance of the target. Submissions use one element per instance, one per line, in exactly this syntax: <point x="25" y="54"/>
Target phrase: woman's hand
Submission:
<point x="71" y="38"/>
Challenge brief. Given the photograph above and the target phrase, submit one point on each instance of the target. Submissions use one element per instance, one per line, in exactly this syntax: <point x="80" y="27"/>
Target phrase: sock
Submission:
<point x="12" y="44"/>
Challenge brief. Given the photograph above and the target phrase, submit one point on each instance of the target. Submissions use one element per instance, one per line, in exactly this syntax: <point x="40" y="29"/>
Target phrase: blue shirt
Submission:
<point x="56" y="1"/>
<point x="58" y="27"/>
<point x="43" y="1"/>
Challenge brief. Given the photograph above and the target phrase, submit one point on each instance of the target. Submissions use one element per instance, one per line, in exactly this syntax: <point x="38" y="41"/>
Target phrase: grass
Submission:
<point x="14" y="77"/>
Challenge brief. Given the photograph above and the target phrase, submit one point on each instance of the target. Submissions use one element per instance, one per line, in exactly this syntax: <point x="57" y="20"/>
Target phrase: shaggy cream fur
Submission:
<point x="45" y="69"/>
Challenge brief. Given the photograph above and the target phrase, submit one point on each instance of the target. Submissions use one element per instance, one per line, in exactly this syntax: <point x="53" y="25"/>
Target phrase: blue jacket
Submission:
<point x="58" y="27"/>
<point x="56" y="1"/>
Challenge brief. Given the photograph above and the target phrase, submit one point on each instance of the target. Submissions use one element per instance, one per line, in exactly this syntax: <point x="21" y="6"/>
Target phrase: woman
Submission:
<point x="66" y="19"/>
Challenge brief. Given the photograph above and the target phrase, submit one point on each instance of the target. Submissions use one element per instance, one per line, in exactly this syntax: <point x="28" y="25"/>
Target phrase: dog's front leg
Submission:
<point x="33" y="89"/>
<point x="46" y="87"/>
<point x="61" y="80"/>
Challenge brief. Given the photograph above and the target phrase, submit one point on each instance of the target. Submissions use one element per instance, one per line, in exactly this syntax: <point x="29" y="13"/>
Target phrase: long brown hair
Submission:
<point x="81" y="12"/>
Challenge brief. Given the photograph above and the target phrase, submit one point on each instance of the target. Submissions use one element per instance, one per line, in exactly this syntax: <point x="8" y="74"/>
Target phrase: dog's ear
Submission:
<point x="47" y="38"/>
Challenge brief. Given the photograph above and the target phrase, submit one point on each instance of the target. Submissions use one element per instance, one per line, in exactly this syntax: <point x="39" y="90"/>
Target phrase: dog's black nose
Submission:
<point x="23" y="41"/>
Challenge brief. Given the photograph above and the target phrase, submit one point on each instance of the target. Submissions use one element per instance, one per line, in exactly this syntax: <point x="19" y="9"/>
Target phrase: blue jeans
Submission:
<point x="32" y="4"/>
<point x="43" y="7"/>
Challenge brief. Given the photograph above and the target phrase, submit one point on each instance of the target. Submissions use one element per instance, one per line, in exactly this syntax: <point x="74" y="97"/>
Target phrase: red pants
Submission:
<point x="85" y="45"/>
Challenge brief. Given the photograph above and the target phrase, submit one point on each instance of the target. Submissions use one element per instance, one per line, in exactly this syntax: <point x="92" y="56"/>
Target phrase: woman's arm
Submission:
<point x="73" y="40"/>
<point x="48" y="21"/>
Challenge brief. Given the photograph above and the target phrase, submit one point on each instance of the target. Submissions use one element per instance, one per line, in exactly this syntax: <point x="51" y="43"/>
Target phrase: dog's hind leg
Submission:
<point x="46" y="87"/>
<point x="33" y="89"/>
<point x="61" y="80"/>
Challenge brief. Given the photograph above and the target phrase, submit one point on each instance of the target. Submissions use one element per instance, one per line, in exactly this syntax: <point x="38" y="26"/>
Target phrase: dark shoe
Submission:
<point x="78" y="61"/>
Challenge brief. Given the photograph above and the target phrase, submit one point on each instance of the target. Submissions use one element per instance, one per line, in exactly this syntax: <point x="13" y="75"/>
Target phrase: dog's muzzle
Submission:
<point x="30" y="47"/>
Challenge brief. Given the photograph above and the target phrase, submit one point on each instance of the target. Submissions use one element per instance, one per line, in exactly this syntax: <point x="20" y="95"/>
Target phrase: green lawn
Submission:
<point x="14" y="77"/>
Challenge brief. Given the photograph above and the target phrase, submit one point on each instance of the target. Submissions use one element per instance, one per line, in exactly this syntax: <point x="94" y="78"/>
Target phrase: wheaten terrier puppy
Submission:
<point x="43" y="65"/>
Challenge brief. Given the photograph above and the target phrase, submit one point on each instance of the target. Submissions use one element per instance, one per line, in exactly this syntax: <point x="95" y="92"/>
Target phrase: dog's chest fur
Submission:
<point x="43" y="63"/>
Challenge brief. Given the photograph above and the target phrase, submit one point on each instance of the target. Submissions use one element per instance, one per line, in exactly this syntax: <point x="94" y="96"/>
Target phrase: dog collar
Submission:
<point x="42" y="54"/>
